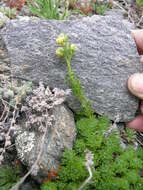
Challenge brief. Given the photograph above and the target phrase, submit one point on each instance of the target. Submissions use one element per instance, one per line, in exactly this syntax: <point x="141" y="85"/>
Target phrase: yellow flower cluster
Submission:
<point x="60" y="52"/>
<point x="62" y="41"/>
<point x="73" y="48"/>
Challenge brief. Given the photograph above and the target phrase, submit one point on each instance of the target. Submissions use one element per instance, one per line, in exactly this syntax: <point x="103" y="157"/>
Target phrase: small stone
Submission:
<point x="8" y="94"/>
<point x="4" y="68"/>
<point x="6" y="60"/>
<point x="1" y="149"/>
<point x="2" y="138"/>
<point x="59" y="137"/>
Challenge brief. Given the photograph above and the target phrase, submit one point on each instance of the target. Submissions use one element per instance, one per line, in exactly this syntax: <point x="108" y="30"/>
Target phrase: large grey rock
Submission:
<point x="61" y="135"/>
<point x="106" y="57"/>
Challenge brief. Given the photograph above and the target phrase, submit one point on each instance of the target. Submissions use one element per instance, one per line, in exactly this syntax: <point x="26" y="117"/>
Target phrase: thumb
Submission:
<point x="135" y="84"/>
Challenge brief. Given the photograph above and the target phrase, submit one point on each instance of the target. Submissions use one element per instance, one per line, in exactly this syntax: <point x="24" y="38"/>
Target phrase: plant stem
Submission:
<point x="68" y="60"/>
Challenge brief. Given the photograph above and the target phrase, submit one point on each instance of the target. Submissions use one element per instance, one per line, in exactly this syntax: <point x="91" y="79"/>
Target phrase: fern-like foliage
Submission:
<point x="114" y="167"/>
<point x="77" y="90"/>
<point x="50" y="186"/>
<point x="9" y="176"/>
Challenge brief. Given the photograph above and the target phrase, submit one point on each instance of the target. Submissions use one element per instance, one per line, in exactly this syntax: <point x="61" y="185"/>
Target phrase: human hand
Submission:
<point x="135" y="83"/>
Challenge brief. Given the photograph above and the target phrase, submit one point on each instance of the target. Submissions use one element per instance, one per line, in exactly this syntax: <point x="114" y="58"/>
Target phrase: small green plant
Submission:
<point x="129" y="135"/>
<point x="140" y="3"/>
<point x="49" y="186"/>
<point x="48" y="9"/>
<point x="9" y="176"/>
<point x="14" y="93"/>
<point x="66" y="51"/>
<point x="9" y="12"/>
<point x="100" y="9"/>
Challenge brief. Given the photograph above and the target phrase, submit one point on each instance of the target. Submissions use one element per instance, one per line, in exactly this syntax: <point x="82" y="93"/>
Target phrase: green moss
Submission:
<point x="130" y="135"/>
<point x="100" y="9"/>
<point x="49" y="186"/>
<point x="114" y="167"/>
<point x="139" y="3"/>
<point x="8" y="177"/>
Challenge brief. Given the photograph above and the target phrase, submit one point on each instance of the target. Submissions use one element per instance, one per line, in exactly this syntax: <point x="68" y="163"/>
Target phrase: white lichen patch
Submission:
<point x="25" y="143"/>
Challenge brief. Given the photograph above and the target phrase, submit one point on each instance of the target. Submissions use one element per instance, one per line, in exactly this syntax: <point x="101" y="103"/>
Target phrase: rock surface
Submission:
<point x="106" y="57"/>
<point x="26" y="186"/>
<point x="61" y="136"/>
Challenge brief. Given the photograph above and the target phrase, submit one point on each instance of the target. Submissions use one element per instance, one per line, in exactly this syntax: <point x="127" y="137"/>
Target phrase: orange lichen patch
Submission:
<point x="53" y="174"/>
<point x="18" y="4"/>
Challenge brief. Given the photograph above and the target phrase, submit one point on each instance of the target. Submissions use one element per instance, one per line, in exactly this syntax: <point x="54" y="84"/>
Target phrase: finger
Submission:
<point x="135" y="84"/>
<point x="137" y="123"/>
<point x="138" y="37"/>
<point x="141" y="107"/>
<point x="141" y="58"/>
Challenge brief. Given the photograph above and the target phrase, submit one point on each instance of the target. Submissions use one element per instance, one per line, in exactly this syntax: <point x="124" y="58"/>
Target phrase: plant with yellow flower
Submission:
<point x="66" y="51"/>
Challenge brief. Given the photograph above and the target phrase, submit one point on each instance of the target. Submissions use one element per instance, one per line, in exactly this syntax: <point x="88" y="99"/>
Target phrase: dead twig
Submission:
<point x="141" y="20"/>
<point x="112" y="127"/>
<point x="89" y="163"/>
<point x="7" y="136"/>
<point x="119" y="6"/>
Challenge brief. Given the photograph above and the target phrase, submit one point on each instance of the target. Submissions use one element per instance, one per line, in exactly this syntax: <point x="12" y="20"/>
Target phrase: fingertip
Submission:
<point x="136" y="124"/>
<point x="138" y="37"/>
<point x="135" y="84"/>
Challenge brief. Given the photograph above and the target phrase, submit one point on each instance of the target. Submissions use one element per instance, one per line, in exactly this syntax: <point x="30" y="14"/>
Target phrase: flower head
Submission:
<point x="62" y="38"/>
<point x="60" y="52"/>
<point x="73" y="48"/>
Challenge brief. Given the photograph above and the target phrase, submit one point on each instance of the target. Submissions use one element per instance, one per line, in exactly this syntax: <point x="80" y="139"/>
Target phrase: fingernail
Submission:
<point x="137" y="123"/>
<point x="135" y="84"/>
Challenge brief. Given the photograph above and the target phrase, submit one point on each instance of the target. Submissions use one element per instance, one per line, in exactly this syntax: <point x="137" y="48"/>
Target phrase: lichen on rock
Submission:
<point x="45" y="108"/>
